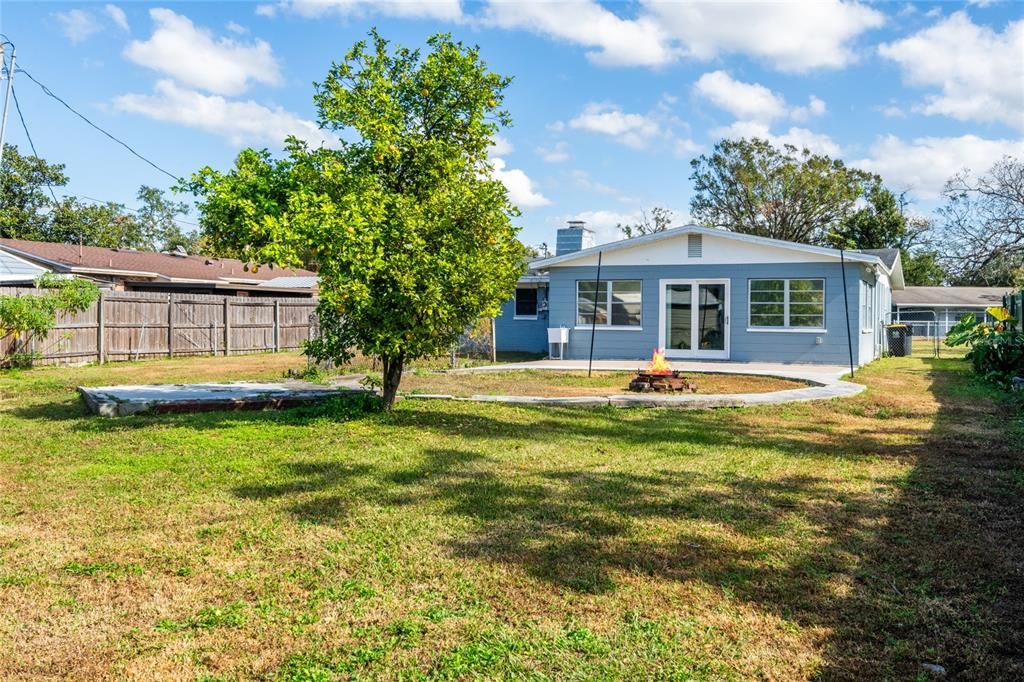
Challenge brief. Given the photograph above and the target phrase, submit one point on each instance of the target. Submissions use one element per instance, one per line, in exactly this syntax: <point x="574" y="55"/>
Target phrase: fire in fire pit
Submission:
<point x="659" y="376"/>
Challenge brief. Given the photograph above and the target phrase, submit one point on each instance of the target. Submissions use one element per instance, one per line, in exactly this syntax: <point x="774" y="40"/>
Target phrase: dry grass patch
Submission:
<point x="852" y="539"/>
<point x="550" y="383"/>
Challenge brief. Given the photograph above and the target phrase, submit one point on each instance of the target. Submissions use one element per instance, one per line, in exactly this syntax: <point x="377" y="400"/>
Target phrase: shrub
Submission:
<point x="996" y="350"/>
<point x="25" y="317"/>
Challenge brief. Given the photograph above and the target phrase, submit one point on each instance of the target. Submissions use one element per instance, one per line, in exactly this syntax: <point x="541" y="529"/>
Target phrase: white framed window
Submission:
<point x="787" y="304"/>
<point x="611" y="304"/>
<point x="867" y="306"/>
<point x="526" y="303"/>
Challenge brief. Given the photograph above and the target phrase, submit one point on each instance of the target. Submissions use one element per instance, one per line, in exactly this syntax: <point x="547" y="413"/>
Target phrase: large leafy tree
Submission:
<point x="751" y="186"/>
<point x="30" y="209"/>
<point x="25" y="201"/>
<point x="410" y="229"/>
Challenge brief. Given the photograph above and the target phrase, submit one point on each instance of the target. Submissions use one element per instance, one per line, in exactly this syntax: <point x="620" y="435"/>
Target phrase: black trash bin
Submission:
<point x="899" y="339"/>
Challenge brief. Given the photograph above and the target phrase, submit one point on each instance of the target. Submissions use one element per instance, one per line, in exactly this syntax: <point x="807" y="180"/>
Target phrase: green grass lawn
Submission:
<point x="855" y="539"/>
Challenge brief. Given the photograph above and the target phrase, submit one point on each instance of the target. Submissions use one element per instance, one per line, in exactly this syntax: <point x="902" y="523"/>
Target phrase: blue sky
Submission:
<point x="610" y="101"/>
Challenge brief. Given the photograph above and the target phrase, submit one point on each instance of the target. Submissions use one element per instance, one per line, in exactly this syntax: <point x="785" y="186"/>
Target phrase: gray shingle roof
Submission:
<point x="887" y="256"/>
<point x="938" y="297"/>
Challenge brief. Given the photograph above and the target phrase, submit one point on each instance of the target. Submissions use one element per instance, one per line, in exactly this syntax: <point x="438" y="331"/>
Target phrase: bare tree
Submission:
<point x="983" y="223"/>
<point x="659" y="220"/>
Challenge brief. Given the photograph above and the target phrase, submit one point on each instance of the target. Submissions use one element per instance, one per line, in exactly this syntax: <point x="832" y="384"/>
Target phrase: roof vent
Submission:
<point x="694" y="245"/>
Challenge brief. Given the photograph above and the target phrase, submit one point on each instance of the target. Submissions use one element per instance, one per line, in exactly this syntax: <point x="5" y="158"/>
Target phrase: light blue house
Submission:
<point x="701" y="293"/>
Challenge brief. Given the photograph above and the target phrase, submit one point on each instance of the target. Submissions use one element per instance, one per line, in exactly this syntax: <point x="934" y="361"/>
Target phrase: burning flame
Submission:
<point x="658" y="364"/>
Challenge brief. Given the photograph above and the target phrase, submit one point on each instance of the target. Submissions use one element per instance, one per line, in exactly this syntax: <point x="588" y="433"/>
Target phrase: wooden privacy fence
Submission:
<point x="140" y="325"/>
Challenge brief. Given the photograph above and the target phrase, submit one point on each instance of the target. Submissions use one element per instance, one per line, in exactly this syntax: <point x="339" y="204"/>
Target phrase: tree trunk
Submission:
<point x="392" y="376"/>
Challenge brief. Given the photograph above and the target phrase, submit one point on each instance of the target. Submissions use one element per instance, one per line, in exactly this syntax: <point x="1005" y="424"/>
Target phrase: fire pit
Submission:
<point x="659" y="376"/>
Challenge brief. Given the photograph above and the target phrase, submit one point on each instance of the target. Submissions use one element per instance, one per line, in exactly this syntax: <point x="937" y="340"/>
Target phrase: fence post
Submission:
<point x="101" y="332"/>
<point x="170" y="325"/>
<point x="277" y="325"/>
<point x="227" y="326"/>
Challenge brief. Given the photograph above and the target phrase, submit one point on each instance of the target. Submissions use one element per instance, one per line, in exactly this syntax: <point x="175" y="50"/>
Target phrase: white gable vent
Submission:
<point x="694" y="245"/>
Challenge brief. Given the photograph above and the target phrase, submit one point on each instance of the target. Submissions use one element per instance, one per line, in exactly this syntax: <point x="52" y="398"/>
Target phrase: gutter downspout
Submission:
<point x="593" y="326"/>
<point x="846" y="306"/>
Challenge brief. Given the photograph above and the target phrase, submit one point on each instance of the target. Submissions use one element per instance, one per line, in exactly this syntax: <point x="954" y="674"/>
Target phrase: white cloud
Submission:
<point x="980" y="73"/>
<point x="241" y="122"/>
<point x="444" y="10"/>
<point x="815" y="107"/>
<point x="790" y="36"/>
<point x="633" y="130"/>
<point x="118" y="16"/>
<point x="801" y="138"/>
<point x="236" y="28"/>
<point x="612" y="39"/>
<point x="194" y="57"/>
<point x="924" y="164"/>
<point x="500" y="146"/>
<point x="557" y="153"/>
<point x="603" y="223"/>
<point x="78" y="24"/>
<point x="519" y="185"/>
<point x="637" y="131"/>
<point x="746" y="101"/>
<point x="752" y="101"/>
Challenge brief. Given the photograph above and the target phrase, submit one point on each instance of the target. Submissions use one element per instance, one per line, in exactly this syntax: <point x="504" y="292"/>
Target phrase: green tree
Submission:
<point x="24" y="198"/>
<point x="410" y="229"/>
<point x="659" y="220"/>
<point x="753" y="187"/>
<point x="879" y="224"/>
<point x="157" y="217"/>
<point x="922" y="268"/>
<point x="25" y="317"/>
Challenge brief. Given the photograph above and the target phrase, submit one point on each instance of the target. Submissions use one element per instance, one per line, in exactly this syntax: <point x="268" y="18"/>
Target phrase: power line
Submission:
<point x="124" y="144"/>
<point x="127" y="208"/>
<point x="31" y="144"/>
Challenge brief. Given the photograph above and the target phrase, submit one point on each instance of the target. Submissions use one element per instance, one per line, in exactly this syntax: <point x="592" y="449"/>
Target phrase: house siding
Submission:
<point x="528" y="336"/>
<point x="792" y="347"/>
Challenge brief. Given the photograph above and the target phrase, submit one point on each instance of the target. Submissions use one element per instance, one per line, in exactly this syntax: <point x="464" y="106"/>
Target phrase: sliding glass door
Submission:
<point x="695" y="318"/>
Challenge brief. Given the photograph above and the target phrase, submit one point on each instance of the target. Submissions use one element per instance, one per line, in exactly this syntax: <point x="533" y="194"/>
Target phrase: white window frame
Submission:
<point x="868" y="305"/>
<point x="787" y="328"/>
<point x="515" y="305"/>
<point x="608" y="301"/>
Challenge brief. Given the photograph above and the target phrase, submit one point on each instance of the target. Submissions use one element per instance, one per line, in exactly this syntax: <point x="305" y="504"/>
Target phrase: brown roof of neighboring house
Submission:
<point x="932" y="297"/>
<point x="145" y="264"/>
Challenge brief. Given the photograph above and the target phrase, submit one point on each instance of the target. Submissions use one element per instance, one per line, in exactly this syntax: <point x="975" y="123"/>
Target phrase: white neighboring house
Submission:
<point x="16" y="271"/>
<point x="931" y="311"/>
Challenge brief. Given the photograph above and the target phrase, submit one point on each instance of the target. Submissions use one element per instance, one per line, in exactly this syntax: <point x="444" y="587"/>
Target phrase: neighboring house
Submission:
<point x="931" y="311"/>
<point x="178" y="272"/>
<point x="16" y="271"/>
<point x="702" y="293"/>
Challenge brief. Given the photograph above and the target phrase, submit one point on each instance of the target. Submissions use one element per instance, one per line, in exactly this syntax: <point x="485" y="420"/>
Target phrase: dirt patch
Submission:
<point x="548" y="383"/>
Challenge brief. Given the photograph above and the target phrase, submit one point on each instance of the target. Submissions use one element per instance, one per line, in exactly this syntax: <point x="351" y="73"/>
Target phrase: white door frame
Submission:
<point x="693" y="352"/>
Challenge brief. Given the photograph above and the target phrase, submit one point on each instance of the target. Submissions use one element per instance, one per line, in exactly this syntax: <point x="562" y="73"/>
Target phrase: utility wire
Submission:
<point x="84" y="118"/>
<point x="127" y="208"/>
<point x="31" y="144"/>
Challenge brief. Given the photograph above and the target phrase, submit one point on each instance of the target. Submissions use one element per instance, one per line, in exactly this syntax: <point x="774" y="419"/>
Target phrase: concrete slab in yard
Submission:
<point x="119" y="401"/>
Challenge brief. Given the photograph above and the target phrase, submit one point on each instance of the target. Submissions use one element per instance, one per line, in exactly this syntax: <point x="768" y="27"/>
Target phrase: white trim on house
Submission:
<point x="787" y="328"/>
<point x="819" y="252"/>
<point x="608" y="301"/>
<point x="693" y="352"/>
